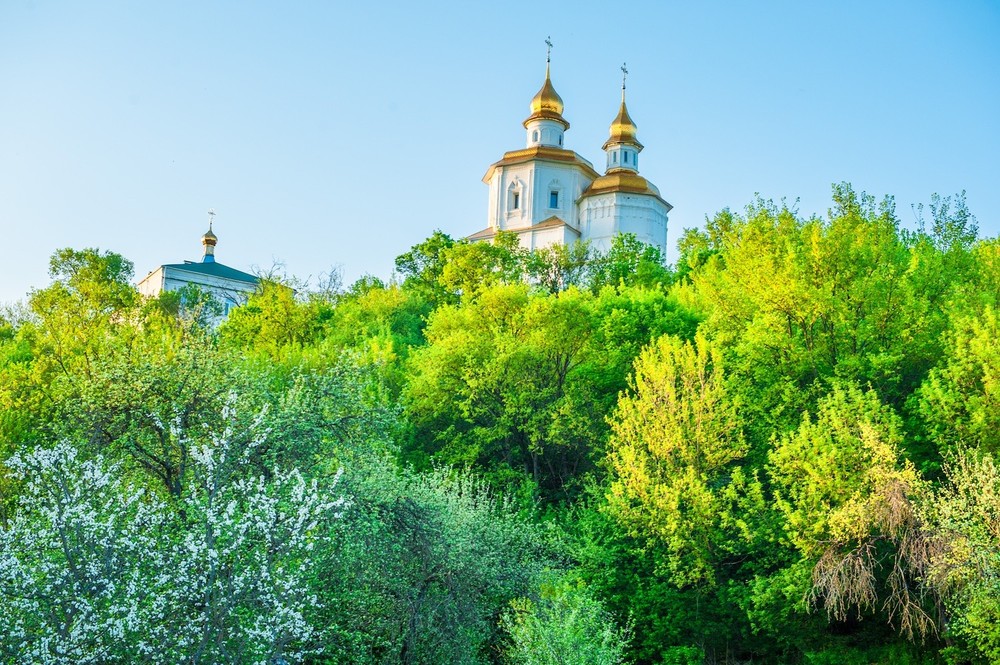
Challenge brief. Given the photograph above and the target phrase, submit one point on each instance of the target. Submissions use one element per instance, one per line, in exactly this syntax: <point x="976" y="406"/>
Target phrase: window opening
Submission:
<point x="517" y="200"/>
<point x="553" y="199"/>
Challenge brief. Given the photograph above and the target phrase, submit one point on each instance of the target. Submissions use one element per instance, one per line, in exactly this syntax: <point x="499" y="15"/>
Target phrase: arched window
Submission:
<point x="534" y="135"/>
<point x="513" y="197"/>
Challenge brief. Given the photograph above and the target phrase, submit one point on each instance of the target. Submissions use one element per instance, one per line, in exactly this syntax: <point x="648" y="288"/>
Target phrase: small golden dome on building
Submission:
<point x="623" y="130"/>
<point x="547" y="104"/>
<point x="209" y="240"/>
<point x="547" y="100"/>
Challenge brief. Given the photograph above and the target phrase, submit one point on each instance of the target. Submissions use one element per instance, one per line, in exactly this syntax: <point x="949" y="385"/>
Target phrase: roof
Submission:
<point x="215" y="270"/>
<point x="620" y="180"/>
<point x="546" y="153"/>
<point x="552" y="222"/>
<point x="485" y="234"/>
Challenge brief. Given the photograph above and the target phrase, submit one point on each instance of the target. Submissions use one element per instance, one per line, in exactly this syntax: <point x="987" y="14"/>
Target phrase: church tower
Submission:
<point x="533" y="191"/>
<point x="550" y="195"/>
<point x="622" y="201"/>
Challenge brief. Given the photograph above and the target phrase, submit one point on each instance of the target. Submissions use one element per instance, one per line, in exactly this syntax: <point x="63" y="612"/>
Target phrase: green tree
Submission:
<point x="422" y="267"/>
<point x="506" y="383"/>
<point x="423" y="565"/>
<point x="628" y="261"/>
<point x="380" y="325"/>
<point x="275" y="321"/>
<point x="559" y="267"/>
<point x="675" y="438"/>
<point x="848" y="498"/>
<point x="964" y="517"/>
<point x="470" y="267"/>
<point x="959" y="401"/>
<point x="565" y="625"/>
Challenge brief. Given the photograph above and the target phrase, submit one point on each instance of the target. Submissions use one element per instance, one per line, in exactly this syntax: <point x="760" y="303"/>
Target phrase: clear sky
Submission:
<point x="329" y="134"/>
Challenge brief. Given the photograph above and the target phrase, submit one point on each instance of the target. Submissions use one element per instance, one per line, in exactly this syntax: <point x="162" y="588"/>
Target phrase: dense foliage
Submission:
<point x="785" y="449"/>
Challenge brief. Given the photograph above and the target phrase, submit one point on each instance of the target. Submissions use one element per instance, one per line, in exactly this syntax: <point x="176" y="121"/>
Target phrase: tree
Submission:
<point x="380" y="325"/>
<point x="423" y="565"/>
<point x="675" y="436"/>
<point x="90" y="310"/>
<point x="95" y="569"/>
<point x="628" y="262"/>
<point x="848" y="498"/>
<point x="959" y="401"/>
<point x="963" y="516"/>
<point x="422" y="267"/>
<point x="274" y="321"/>
<point x="565" y="625"/>
<point x="505" y="383"/>
<point x="558" y="267"/>
<point x="470" y="267"/>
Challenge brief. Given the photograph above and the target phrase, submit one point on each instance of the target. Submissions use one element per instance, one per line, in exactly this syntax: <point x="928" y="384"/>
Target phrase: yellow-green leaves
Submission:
<point x="960" y="400"/>
<point x="834" y="475"/>
<point x="849" y="499"/>
<point x="673" y="436"/>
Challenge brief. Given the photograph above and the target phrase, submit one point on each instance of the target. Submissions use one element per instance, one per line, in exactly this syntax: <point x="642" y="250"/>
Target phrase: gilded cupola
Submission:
<point x="547" y="104"/>
<point x="622" y="147"/>
<point x="209" y="240"/>
<point x="623" y="129"/>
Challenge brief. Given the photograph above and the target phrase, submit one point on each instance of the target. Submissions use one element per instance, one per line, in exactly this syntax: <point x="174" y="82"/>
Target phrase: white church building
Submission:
<point x="228" y="286"/>
<point x="548" y="194"/>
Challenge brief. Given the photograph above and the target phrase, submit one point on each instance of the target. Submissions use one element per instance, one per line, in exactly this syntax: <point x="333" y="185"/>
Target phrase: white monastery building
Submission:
<point x="547" y="194"/>
<point x="229" y="286"/>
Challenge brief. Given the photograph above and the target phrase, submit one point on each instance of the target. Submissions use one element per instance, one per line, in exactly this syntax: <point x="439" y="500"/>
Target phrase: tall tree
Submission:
<point x="675" y="437"/>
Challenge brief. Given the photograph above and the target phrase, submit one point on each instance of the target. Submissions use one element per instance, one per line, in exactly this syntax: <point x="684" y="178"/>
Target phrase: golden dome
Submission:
<point x="209" y="238"/>
<point x="619" y="180"/>
<point x="623" y="129"/>
<point x="625" y="182"/>
<point x="547" y="104"/>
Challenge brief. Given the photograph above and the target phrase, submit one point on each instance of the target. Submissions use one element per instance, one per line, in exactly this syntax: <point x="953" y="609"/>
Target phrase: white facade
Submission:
<point x="550" y="195"/>
<point x="536" y="186"/>
<point x="643" y="215"/>
<point x="227" y="291"/>
<point x="229" y="287"/>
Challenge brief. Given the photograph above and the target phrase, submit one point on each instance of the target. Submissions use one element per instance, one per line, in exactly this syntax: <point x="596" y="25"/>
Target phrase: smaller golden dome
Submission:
<point x="623" y="129"/>
<point x="209" y="238"/>
<point x="547" y="104"/>
<point x="547" y="99"/>
<point x="619" y="180"/>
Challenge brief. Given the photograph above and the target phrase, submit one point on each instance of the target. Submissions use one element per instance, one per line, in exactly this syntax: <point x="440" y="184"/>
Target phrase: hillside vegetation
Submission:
<point x="783" y="449"/>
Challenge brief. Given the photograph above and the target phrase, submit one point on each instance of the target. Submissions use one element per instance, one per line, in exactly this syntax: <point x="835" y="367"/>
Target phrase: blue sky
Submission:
<point x="338" y="135"/>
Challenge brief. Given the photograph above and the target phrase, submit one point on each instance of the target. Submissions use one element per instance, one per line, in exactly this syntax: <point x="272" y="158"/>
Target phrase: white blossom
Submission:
<point x="96" y="570"/>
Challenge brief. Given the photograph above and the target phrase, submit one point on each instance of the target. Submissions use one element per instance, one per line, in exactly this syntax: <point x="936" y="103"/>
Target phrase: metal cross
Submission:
<point x="548" y="47"/>
<point x="211" y="217"/>
<point x="624" y="74"/>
